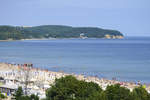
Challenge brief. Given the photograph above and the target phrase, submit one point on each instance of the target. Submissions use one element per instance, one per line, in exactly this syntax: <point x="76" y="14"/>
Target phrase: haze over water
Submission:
<point x="126" y="59"/>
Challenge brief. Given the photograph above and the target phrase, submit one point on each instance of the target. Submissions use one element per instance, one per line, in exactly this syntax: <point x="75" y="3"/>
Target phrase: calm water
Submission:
<point x="127" y="59"/>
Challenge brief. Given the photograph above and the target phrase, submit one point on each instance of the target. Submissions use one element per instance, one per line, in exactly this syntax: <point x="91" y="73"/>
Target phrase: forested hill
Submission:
<point x="55" y="31"/>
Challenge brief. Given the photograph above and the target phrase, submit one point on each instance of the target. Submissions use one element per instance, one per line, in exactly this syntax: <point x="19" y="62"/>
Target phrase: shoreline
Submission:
<point x="6" y="40"/>
<point x="48" y="77"/>
<point x="58" y="39"/>
<point x="125" y="37"/>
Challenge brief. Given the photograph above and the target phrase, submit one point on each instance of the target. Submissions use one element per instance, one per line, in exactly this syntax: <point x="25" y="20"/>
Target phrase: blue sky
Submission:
<point x="131" y="17"/>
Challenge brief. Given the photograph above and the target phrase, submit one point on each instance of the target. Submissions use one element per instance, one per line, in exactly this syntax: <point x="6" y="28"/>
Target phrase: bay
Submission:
<point x="126" y="59"/>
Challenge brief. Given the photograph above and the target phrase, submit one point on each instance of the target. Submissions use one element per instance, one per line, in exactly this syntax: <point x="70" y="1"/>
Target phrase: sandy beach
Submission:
<point x="17" y="72"/>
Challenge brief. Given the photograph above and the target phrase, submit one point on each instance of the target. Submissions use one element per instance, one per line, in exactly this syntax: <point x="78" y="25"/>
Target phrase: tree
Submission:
<point x="140" y="93"/>
<point x="98" y="96"/>
<point x="115" y="92"/>
<point x="69" y="88"/>
<point x="2" y="96"/>
<point x="19" y="93"/>
<point x="34" y="97"/>
<point x="20" y="96"/>
<point x="55" y="31"/>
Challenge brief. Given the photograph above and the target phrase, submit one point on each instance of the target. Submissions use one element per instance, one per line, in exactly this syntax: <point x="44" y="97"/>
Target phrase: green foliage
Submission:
<point x="69" y="88"/>
<point x="20" y="96"/>
<point x="140" y="93"/>
<point x="55" y="31"/>
<point x="98" y="96"/>
<point x="2" y="96"/>
<point x="34" y="97"/>
<point x="115" y="92"/>
<point x="10" y="32"/>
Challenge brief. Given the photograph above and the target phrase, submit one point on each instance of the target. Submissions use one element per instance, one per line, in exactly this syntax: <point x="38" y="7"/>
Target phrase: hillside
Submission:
<point x="55" y="31"/>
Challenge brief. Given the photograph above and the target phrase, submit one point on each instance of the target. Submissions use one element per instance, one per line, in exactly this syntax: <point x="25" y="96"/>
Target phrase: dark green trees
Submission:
<point x="10" y="32"/>
<point x="2" y="96"/>
<point x="54" y="31"/>
<point x="69" y="88"/>
<point x="19" y="93"/>
<point x="34" y="97"/>
<point x="140" y="94"/>
<point x="115" y="92"/>
<point x="20" y="96"/>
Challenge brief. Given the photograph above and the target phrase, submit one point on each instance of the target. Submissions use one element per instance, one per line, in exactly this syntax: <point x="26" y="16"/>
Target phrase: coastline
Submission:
<point x="6" y="40"/>
<point x="15" y="71"/>
<point x="56" y="39"/>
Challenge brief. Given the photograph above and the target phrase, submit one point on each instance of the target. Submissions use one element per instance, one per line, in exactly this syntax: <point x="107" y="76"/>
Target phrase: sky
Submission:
<point x="131" y="17"/>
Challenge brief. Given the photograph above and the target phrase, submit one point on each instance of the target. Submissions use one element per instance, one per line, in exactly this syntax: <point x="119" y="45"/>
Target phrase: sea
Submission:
<point x="125" y="59"/>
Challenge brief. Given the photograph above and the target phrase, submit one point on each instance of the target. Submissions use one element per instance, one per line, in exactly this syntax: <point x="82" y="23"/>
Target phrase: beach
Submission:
<point x="39" y="79"/>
